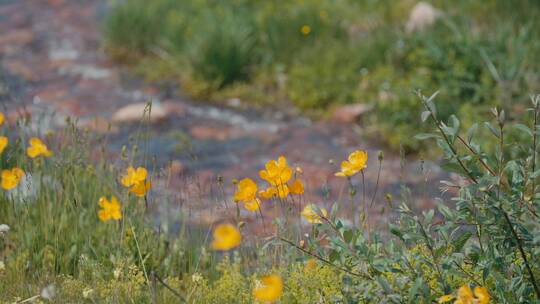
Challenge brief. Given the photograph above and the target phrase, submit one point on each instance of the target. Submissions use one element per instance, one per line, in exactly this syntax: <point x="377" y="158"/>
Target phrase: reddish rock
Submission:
<point x="52" y="94"/>
<point x="99" y="124"/>
<point x="173" y="107"/>
<point x="350" y="113"/>
<point x="209" y="133"/>
<point x="14" y="39"/>
<point x="21" y="69"/>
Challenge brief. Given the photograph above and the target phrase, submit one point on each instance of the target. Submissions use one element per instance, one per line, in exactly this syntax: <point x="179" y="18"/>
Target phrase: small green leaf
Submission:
<point x="425" y="115"/>
<point x="460" y="241"/>
<point x="524" y="128"/>
<point x="424" y="136"/>
<point x="348" y="236"/>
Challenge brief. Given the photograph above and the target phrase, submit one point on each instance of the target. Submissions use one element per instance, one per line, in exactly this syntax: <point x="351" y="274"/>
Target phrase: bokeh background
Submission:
<point x="236" y="83"/>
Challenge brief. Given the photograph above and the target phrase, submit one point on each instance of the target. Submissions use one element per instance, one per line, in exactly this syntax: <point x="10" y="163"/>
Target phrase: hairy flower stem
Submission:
<point x="522" y="252"/>
<point x="434" y="256"/>
<point x="449" y="143"/>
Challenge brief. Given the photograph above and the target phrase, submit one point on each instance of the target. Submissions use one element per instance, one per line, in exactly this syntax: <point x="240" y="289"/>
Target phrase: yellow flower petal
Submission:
<point x="3" y="143"/>
<point x="311" y="215"/>
<point x="269" y="288"/>
<point x="296" y="187"/>
<point x="268" y="193"/>
<point x="133" y="176"/>
<point x="276" y="172"/>
<point x="246" y="190"/>
<point x="2" y="118"/>
<point x="226" y="237"/>
<point x="445" y="298"/>
<point x="357" y="161"/>
<point x="140" y="188"/>
<point x="252" y="205"/>
<point x="465" y="294"/>
<point x="482" y="295"/>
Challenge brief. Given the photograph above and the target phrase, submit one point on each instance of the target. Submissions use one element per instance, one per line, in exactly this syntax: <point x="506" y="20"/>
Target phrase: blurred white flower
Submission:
<point x="48" y="292"/>
<point x="4" y="228"/>
<point x="422" y="15"/>
<point x="87" y="293"/>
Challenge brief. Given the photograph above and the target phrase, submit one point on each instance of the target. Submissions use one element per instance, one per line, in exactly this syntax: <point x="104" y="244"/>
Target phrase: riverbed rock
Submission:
<point x="422" y="16"/>
<point x="134" y="113"/>
<point x="350" y="113"/>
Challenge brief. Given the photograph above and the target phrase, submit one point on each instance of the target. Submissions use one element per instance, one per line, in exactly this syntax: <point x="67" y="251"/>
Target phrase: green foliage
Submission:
<point x="485" y="237"/>
<point x="478" y="55"/>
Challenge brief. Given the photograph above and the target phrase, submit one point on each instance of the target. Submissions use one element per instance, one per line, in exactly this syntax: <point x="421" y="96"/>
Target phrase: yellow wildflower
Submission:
<point x="11" y="178"/>
<point x="466" y="296"/>
<point x="312" y="216"/>
<point x="2" y="118"/>
<point x="276" y="172"/>
<point x="356" y="162"/>
<point x="252" y="205"/>
<point x="482" y="295"/>
<point x="37" y="148"/>
<point x="110" y="209"/>
<point x="269" y="288"/>
<point x="445" y="298"/>
<point x="246" y="191"/>
<point x="3" y="143"/>
<point x="226" y="237"/>
<point x="296" y="187"/>
<point x="140" y="188"/>
<point x="134" y="176"/>
<point x="305" y="29"/>
<point x="281" y="191"/>
<point x="268" y="193"/>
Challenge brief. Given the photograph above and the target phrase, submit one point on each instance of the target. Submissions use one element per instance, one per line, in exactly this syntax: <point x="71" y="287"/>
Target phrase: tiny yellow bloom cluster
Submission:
<point x="356" y="162"/>
<point x="305" y="29"/>
<point x="3" y="143"/>
<point x="465" y="295"/>
<point x="135" y="180"/>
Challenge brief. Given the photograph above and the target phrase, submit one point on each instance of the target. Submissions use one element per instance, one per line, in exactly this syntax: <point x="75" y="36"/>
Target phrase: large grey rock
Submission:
<point x="134" y="113"/>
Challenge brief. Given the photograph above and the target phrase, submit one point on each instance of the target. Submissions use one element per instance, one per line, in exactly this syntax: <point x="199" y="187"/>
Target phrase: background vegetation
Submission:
<point x="318" y="54"/>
